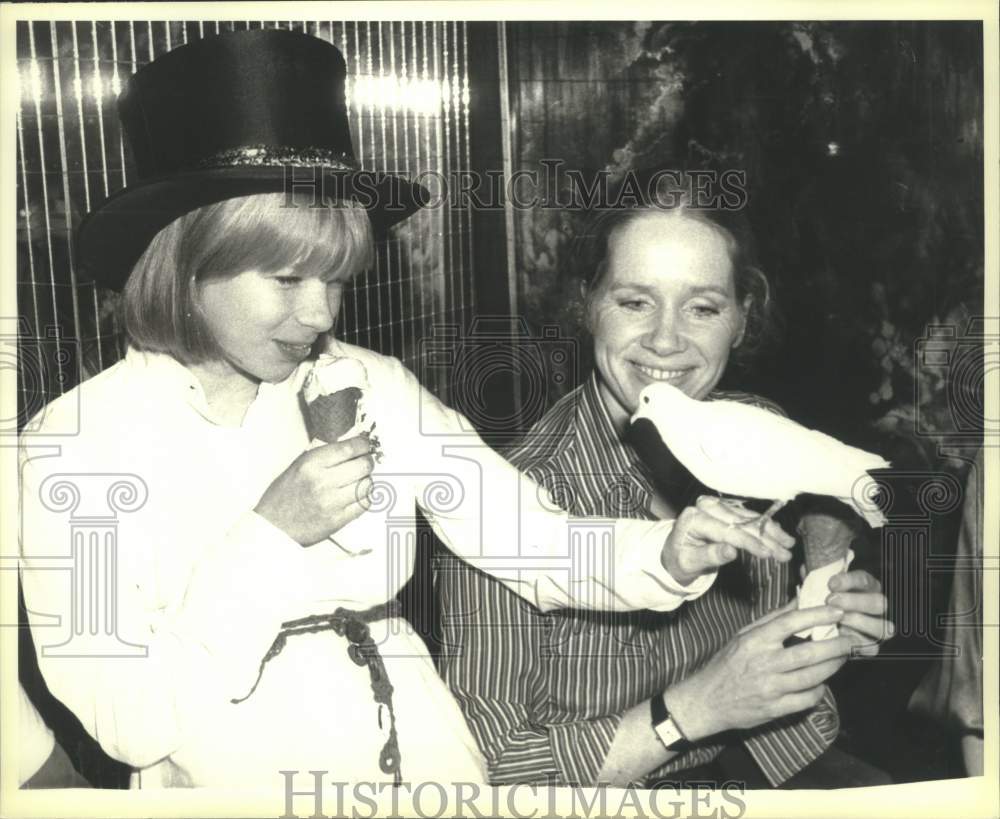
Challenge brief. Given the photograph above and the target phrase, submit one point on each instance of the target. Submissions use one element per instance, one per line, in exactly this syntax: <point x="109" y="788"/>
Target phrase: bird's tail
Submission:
<point x="868" y="499"/>
<point x="873" y="516"/>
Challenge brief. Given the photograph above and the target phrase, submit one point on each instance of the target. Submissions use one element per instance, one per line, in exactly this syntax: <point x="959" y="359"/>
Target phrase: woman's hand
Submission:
<point x="754" y="679"/>
<point x="860" y="596"/>
<point x="322" y="491"/>
<point x="708" y="535"/>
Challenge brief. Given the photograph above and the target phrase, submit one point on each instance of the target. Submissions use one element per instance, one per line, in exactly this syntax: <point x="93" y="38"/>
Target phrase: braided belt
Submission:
<point x="363" y="651"/>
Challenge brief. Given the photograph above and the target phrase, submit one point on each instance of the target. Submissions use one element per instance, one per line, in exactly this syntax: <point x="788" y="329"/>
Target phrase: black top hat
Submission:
<point x="233" y="115"/>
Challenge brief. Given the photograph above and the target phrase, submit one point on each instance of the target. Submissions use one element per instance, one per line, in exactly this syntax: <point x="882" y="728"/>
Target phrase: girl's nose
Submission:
<point x="314" y="309"/>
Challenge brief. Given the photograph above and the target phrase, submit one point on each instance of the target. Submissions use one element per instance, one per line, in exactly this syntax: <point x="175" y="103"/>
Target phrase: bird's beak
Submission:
<point x="644" y="401"/>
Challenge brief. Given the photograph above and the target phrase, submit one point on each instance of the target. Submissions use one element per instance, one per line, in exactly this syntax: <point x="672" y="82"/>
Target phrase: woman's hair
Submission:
<point x="590" y="261"/>
<point x="265" y="232"/>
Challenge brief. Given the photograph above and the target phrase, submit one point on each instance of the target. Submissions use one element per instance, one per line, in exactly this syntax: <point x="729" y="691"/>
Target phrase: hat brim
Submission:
<point x="113" y="236"/>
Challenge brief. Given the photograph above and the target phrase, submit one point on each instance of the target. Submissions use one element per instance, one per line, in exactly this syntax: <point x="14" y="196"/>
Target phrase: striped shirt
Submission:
<point x="544" y="693"/>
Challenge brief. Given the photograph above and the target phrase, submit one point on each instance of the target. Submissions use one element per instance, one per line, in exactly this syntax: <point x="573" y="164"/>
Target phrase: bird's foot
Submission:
<point x="769" y="513"/>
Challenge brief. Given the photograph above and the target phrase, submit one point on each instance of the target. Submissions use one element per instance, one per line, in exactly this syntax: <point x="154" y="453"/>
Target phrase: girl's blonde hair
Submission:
<point x="265" y="232"/>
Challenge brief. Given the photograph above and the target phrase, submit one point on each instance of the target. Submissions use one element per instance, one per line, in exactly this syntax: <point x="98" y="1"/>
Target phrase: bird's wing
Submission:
<point x="742" y="447"/>
<point x="767" y="455"/>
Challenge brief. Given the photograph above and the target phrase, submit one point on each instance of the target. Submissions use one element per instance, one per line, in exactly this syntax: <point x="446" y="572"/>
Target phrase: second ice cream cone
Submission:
<point x="825" y="538"/>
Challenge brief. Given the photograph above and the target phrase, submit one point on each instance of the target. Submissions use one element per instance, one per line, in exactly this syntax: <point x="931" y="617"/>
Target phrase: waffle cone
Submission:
<point x="329" y="417"/>
<point x="825" y="538"/>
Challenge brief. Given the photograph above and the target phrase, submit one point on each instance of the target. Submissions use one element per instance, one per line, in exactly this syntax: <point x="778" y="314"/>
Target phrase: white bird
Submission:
<point x="742" y="450"/>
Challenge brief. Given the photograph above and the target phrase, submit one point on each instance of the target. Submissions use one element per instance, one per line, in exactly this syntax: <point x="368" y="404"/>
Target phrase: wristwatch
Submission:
<point x="666" y="726"/>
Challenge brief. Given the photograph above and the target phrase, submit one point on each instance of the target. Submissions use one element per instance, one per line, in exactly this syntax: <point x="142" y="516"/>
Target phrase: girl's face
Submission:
<point x="266" y="324"/>
<point x="664" y="310"/>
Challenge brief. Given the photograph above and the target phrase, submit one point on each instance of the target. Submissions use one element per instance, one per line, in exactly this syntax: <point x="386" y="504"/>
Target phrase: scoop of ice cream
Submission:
<point x="332" y="373"/>
<point x="825" y="538"/>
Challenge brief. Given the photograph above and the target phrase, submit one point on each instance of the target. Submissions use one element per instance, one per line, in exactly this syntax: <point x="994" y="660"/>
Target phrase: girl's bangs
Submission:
<point x="268" y="233"/>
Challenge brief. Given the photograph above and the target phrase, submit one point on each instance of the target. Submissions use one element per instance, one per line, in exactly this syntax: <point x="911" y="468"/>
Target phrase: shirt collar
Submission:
<point x="169" y="376"/>
<point x="593" y="417"/>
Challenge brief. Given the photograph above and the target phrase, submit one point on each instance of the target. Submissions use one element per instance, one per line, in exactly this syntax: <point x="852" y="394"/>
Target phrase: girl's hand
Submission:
<point x="710" y="533"/>
<point x="322" y="491"/>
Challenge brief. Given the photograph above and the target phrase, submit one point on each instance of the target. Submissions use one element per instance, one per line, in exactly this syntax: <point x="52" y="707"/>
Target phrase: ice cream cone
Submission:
<point x="333" y="401"/>
<point x="826" y="539"/>
<point x="827" y="542"/>
<point x="330" y="417"/>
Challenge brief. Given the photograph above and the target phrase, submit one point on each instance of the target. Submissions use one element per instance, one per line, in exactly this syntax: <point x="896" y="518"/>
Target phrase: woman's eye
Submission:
<point x="705" y="310"/>
<point x="287" y="281"/>
<point x="632" y="304"/>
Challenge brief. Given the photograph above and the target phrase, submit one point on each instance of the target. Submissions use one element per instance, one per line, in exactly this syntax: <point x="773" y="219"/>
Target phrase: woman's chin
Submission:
<point x="272" y="373"/>
<point x="283" y="373"/>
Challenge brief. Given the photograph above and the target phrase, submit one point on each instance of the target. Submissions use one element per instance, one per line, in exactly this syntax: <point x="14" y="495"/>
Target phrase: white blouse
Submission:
<point x="138" y="534"/>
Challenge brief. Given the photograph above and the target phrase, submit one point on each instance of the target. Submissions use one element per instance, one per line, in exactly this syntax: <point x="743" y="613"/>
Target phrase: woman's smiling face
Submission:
<point x="265" y="324"/>
<point x="665" y="309"/>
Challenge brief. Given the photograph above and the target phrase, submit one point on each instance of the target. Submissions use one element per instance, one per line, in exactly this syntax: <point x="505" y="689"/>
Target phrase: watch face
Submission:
<point x="669" y="733"/>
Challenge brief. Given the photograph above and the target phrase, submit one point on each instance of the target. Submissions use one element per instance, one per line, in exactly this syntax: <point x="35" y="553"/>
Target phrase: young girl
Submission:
<point x="247" y="622"/>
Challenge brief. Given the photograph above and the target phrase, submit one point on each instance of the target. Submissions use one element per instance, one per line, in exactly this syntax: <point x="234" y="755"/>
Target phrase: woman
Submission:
<point x="247" y="627"/>
<point x="670" y="294"/>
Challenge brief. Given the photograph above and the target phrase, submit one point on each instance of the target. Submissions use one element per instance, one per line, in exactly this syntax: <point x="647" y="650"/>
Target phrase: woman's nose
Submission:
<point x="314" y="309"/>
<point x="665" y="336"/>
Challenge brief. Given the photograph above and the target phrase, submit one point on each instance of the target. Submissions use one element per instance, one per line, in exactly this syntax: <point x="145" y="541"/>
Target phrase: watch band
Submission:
<point x="666" y="726"/>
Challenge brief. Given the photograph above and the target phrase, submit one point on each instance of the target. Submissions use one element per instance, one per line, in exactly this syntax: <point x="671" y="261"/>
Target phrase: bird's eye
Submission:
<point x="646" y="399"/>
